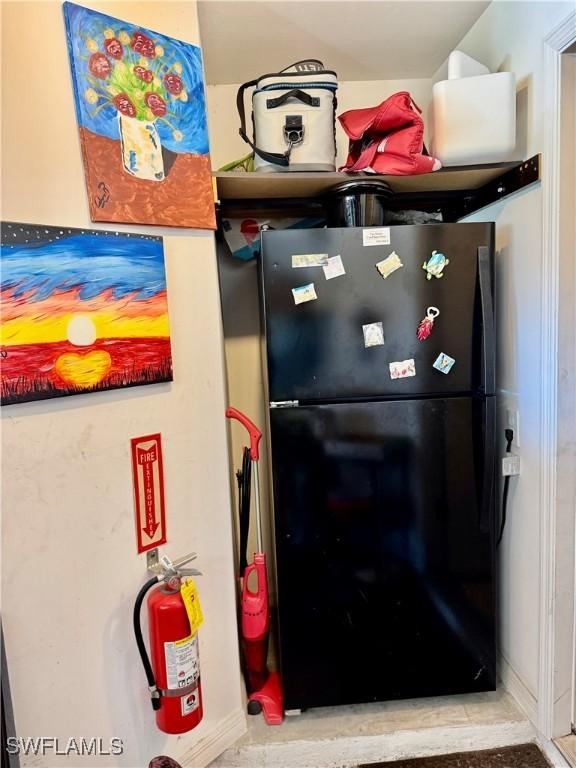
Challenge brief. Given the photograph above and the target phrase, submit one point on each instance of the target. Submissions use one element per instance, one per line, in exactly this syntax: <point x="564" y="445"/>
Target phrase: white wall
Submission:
<point x="70" y="572"/>
<point x="565" y="608"/>
<point x="509" y="36"/>
<point x="226" y="144"/>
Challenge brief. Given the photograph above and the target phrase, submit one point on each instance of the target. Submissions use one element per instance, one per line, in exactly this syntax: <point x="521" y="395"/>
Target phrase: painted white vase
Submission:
<point x="141" y="148"/>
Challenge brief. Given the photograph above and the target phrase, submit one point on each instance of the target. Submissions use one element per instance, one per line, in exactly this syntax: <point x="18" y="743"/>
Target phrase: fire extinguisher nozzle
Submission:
<point x="154" y="697"/>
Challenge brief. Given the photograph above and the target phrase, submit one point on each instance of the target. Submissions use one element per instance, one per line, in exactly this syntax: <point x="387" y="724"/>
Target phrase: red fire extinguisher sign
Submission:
<point x="148" y="476"/>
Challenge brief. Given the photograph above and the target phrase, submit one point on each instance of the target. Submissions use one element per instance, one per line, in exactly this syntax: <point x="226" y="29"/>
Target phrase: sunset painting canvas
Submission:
<point x="141" y="114"/>
<point x="82" y="311"/>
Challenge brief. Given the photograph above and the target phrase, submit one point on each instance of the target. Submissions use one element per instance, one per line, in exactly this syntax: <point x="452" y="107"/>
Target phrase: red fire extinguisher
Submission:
<point x="173" y="668"/>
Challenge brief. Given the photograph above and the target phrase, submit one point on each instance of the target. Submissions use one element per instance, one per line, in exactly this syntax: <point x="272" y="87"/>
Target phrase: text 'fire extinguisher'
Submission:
<point x="173" y="668"/>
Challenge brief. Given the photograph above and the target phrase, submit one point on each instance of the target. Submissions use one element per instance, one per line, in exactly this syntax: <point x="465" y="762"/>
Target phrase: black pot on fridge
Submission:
<point x="358" y="203"/>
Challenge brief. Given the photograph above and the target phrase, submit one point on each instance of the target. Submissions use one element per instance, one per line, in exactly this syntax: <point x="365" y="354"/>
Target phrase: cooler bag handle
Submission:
<point x="295" y="93"/>
<point x="304" y="61"/>
<point x="270" y="157"/>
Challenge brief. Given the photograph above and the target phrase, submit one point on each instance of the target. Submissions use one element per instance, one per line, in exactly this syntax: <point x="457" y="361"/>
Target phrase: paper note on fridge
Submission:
<point x="376" y="236"/>
<point x="334" y="268"/>
<point x="304" y="293"/>
<point x="403" y="369"/>
<point x="309" y="260"/>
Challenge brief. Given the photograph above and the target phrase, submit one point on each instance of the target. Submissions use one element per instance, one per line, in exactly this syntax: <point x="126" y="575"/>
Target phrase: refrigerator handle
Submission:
<point x="488" y="470"/>
<point x="488" y="330"/>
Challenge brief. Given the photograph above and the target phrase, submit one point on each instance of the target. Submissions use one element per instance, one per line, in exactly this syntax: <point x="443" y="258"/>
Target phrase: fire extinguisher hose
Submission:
<point x="154" y="692"/>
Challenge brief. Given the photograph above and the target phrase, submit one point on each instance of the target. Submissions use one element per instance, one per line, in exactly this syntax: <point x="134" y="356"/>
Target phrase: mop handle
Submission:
<point x="253" y="431"/>
<point x="255" y="436"/>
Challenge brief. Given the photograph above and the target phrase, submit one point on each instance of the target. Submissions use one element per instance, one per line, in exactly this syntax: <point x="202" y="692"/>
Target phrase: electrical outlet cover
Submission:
<point x="510" y="466"/>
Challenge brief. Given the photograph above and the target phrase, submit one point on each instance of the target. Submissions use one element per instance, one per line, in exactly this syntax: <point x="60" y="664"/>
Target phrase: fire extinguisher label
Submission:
<point x="189" y="703"/>
<point x="182" y="662"/>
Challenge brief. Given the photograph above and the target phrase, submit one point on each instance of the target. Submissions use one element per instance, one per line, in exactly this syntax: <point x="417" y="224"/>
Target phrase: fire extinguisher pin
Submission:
<point x="188" y="572"/>
<point x="175" y="573"/>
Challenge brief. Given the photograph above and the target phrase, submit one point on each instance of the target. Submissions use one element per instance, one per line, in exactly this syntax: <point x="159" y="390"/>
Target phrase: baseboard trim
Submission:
<point x="518" y="690"/>
<point x="221" y="738"/>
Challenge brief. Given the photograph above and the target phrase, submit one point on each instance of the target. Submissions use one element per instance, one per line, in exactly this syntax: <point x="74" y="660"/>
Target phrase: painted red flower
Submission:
<point x="99" y="66"/>
<point x="156" y="104"/>
<point x="124" y="105"/>
<point x="173" y="83"/>
<point x="146" y="75"/>
<point x="142" y="44"/>
<point x="113" y="48"/>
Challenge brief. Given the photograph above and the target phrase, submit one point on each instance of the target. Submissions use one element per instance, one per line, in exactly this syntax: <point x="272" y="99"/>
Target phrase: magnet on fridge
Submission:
<point x="435" y="265"/>
<point x="373" y="335"/>
<point x="402" y="369"/>
<point x="426" y="325"/>
<point x="304" y="293"/>
<point x="444" y="363"/>
<point x="309" y="260"/>
<point x="334" y="268"/>
<point x="388" y="265"/>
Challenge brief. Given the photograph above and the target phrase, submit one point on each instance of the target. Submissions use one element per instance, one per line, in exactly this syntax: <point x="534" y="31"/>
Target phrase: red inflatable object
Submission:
<point x="387" y="139"/>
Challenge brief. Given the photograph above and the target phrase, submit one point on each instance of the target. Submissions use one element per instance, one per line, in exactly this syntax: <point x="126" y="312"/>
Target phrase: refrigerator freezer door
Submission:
<point x="320" y="350"/>
<point x="384" y="550"/>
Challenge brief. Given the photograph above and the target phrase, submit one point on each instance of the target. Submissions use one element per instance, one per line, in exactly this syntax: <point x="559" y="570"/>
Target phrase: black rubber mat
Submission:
<point x="523" y="756"/>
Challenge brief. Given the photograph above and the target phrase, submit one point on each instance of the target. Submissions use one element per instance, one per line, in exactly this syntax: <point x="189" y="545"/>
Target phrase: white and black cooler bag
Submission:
<point x="293" y="115"/>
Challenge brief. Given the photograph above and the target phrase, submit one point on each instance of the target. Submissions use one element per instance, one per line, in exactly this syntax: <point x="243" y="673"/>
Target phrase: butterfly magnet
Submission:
<point x="443" y="363"/>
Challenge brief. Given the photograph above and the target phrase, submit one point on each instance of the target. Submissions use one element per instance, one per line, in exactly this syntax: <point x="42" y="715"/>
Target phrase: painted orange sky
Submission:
<point x="46" y="320"/>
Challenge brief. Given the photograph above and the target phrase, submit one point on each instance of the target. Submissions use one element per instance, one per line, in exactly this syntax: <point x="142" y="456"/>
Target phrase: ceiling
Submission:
<point x="359" y="39"/>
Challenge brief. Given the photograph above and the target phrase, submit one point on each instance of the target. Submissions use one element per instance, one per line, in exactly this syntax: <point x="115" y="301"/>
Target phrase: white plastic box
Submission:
<point x="474" y="119"/>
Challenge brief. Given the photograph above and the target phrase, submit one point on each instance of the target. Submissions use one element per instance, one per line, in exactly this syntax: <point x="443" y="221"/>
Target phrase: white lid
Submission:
<point x="462" y="65"/>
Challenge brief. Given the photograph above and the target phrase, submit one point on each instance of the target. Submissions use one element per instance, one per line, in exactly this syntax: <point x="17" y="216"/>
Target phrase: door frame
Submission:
<point x="556" y="625"/>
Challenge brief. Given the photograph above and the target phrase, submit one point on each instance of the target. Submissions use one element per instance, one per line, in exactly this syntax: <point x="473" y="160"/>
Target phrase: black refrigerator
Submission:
<point x="383" y="459"/>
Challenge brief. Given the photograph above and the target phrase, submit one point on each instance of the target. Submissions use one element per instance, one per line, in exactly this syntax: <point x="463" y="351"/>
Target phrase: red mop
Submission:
<point x="264" y="689"/>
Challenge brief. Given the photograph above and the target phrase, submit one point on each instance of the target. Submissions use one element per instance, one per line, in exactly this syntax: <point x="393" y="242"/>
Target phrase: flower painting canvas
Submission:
<point x="141" y="113"/>
<point x="82" y="310"/>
